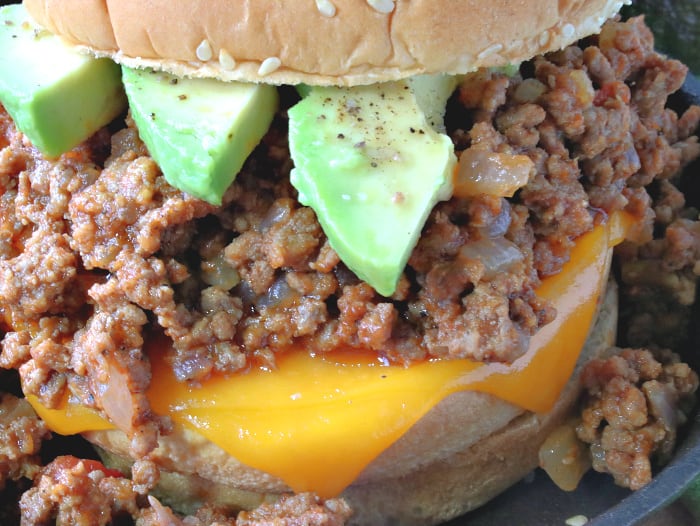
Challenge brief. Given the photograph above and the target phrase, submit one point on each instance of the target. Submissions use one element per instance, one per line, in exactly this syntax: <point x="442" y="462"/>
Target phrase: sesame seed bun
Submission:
<point x="330" y="42"/>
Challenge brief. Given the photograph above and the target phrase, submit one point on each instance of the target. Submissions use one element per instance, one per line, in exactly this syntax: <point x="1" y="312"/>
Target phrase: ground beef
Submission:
<point x="634" y="405"/>
<point x="123" y="240"/>
<point x="80" y="492"/>
<point x="660" y="278"/>
<point x="21" y="434"/>
<point x="98" y="254"/>
<point x="291" y="510"/>
<point x="85" y="493"/>
<point x="297" y="510"/>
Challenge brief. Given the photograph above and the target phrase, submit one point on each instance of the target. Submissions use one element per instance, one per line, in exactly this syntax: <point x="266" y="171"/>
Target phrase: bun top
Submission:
<point x="333" y="42"/>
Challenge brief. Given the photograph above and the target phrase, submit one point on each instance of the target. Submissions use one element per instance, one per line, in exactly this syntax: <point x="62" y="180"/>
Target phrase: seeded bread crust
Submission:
<point x="325" y="42"/>
<point x="465" y="451"/>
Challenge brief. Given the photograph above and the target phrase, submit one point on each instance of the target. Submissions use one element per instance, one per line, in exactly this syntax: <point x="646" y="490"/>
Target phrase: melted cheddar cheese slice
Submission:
<point x="317" y="421"/>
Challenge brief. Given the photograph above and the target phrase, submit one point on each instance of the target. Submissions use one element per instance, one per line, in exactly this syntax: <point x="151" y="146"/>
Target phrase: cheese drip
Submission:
<point x="317" y="421"/>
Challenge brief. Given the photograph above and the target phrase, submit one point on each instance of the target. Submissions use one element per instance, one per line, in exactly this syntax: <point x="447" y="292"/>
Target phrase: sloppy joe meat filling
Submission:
<point x="97" y="251"/>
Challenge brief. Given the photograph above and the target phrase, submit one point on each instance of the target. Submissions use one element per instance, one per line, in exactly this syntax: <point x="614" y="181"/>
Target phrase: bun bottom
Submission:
<point x="465" y="451"/>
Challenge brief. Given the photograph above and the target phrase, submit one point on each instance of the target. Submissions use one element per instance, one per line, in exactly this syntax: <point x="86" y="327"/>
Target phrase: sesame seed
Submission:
<point x="568" y="31"/>
<point x="577" y="520"/>
<point x="226" y="60"/>
<point x="544" y="38"/>
<point x="495" y="48"/>
<point x="326" y="8"/>
<point x="269" y="65"/>
<point x="382" y="6"/>
<point x="204" y="52"/>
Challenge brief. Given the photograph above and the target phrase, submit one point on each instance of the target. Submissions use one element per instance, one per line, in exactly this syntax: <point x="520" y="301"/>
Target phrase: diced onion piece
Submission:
<point x="279" y="294"/>
<point x="13" y="409"/>
<point x="529" y="90"/>
<point x="583" y="87"/>
<point x="498" y="174"/>
<point x="662" y="403"/>
<point x="564" y="457"/>
<point x="497" y="255"/>
<point x="216" y="272"/>
<point x="118" y="401"/>
<point x="500" y="224"/>
<point x="163" y="515"/>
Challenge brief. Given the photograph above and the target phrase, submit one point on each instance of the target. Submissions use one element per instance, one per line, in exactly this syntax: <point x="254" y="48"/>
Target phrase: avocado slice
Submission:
<point x="56" y="96"/>
<point x="432" y="93"/>
<point x="199" y="131"/>
<point x="371" y="165"/>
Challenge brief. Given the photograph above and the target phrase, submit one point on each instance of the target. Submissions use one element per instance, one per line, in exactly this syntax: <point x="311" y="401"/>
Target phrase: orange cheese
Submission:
<point x="69" y="419"/>
<point x="316" y="422"/>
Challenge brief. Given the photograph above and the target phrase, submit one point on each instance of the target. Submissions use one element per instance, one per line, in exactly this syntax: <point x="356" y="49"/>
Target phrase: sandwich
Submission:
<point x="348" y="249"/>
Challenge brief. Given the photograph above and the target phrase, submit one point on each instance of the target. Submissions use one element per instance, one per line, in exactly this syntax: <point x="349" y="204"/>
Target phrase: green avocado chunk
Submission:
<point x="371" y="164"/>
<point x="56" y="96"/>
<point x="199" y="131"/>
